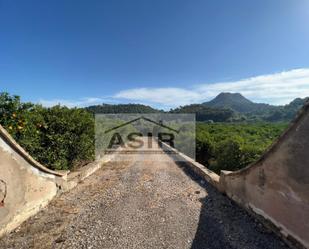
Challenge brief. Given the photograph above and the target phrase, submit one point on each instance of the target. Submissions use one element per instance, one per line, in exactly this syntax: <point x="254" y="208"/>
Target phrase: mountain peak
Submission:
<point x="227" y="96"/>
<point x="234" y="101"/>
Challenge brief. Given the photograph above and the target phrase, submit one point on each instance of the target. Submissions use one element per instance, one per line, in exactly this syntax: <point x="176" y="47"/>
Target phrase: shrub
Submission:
<point x="13" y="114"/>
<point x="204" y="147"/>
<point x="229" y="154"/>
<point x="68" y="135"/>
<point x="58" y="137"/>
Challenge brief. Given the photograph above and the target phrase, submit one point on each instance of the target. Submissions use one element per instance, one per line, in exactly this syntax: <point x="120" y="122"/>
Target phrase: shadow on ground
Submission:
<point x="223" y="224"/>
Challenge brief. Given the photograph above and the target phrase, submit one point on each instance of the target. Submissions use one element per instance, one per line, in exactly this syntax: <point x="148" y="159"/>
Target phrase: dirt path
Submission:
<point x="142" y="204"/>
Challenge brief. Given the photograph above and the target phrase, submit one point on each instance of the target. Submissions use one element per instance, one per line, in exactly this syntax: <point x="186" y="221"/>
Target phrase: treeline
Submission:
<point x="204" y="113"/>
<point x="58" y="137"/>
<point x="121" y="108"/>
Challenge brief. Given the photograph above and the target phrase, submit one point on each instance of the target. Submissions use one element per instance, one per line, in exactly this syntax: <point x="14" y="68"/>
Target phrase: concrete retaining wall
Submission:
<point x="25" y="185"/>
<point x="276" y="188"/>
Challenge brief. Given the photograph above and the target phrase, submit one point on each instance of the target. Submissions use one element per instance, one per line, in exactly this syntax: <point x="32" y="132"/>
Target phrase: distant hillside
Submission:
<point x="251" y="111"/>
<point x="226" y="107"/>
<point x="286" y="112"/>
<point x="238" y="103"/>
<point x="204" y="113"/>
<point x="122" y="108"/>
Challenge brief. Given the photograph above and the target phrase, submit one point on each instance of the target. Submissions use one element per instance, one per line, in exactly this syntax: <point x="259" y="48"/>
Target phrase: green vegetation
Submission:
<point x="58" y="137"/>
<point x="234" y="146"/>
<point x="204" y="113"/>
<point x="122" y="108"/>
<point x="63" y="138"/>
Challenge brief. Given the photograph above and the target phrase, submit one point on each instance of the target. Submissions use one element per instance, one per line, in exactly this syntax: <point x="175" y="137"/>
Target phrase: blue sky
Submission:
<point x="159" y="52"/>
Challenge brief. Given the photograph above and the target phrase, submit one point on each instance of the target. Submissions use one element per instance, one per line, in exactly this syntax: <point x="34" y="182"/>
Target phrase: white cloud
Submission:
<point x="163" y="96"/>
<point x="71" y="103"/>
<point x="277" y="88"/>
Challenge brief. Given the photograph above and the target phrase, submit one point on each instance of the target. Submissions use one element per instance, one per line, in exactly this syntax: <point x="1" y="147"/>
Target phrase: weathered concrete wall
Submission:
<point x="277" y="186"/>
<point x="25" y="185"/>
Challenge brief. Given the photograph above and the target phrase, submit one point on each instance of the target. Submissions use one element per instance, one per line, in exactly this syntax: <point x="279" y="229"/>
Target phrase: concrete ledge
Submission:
<point x="77" y="176"/>
<point x="13" y="145"/>
<point x="198" y="168"/>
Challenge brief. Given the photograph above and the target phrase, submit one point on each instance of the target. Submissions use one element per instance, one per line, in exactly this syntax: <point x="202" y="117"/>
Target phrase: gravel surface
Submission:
<point x="142" y="204"/>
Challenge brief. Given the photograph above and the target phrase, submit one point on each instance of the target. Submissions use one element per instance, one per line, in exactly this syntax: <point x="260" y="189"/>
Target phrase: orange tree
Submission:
<point x="13" y="114"/>
<point x="58" y="137"/>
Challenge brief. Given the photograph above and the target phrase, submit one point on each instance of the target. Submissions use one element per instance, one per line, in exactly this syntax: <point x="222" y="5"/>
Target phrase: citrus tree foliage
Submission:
<point x="58" y="137"/>
<point x="234" y="146"/>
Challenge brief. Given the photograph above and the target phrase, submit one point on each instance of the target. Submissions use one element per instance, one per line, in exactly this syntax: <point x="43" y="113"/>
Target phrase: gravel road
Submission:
<point x="142" y="204"/>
